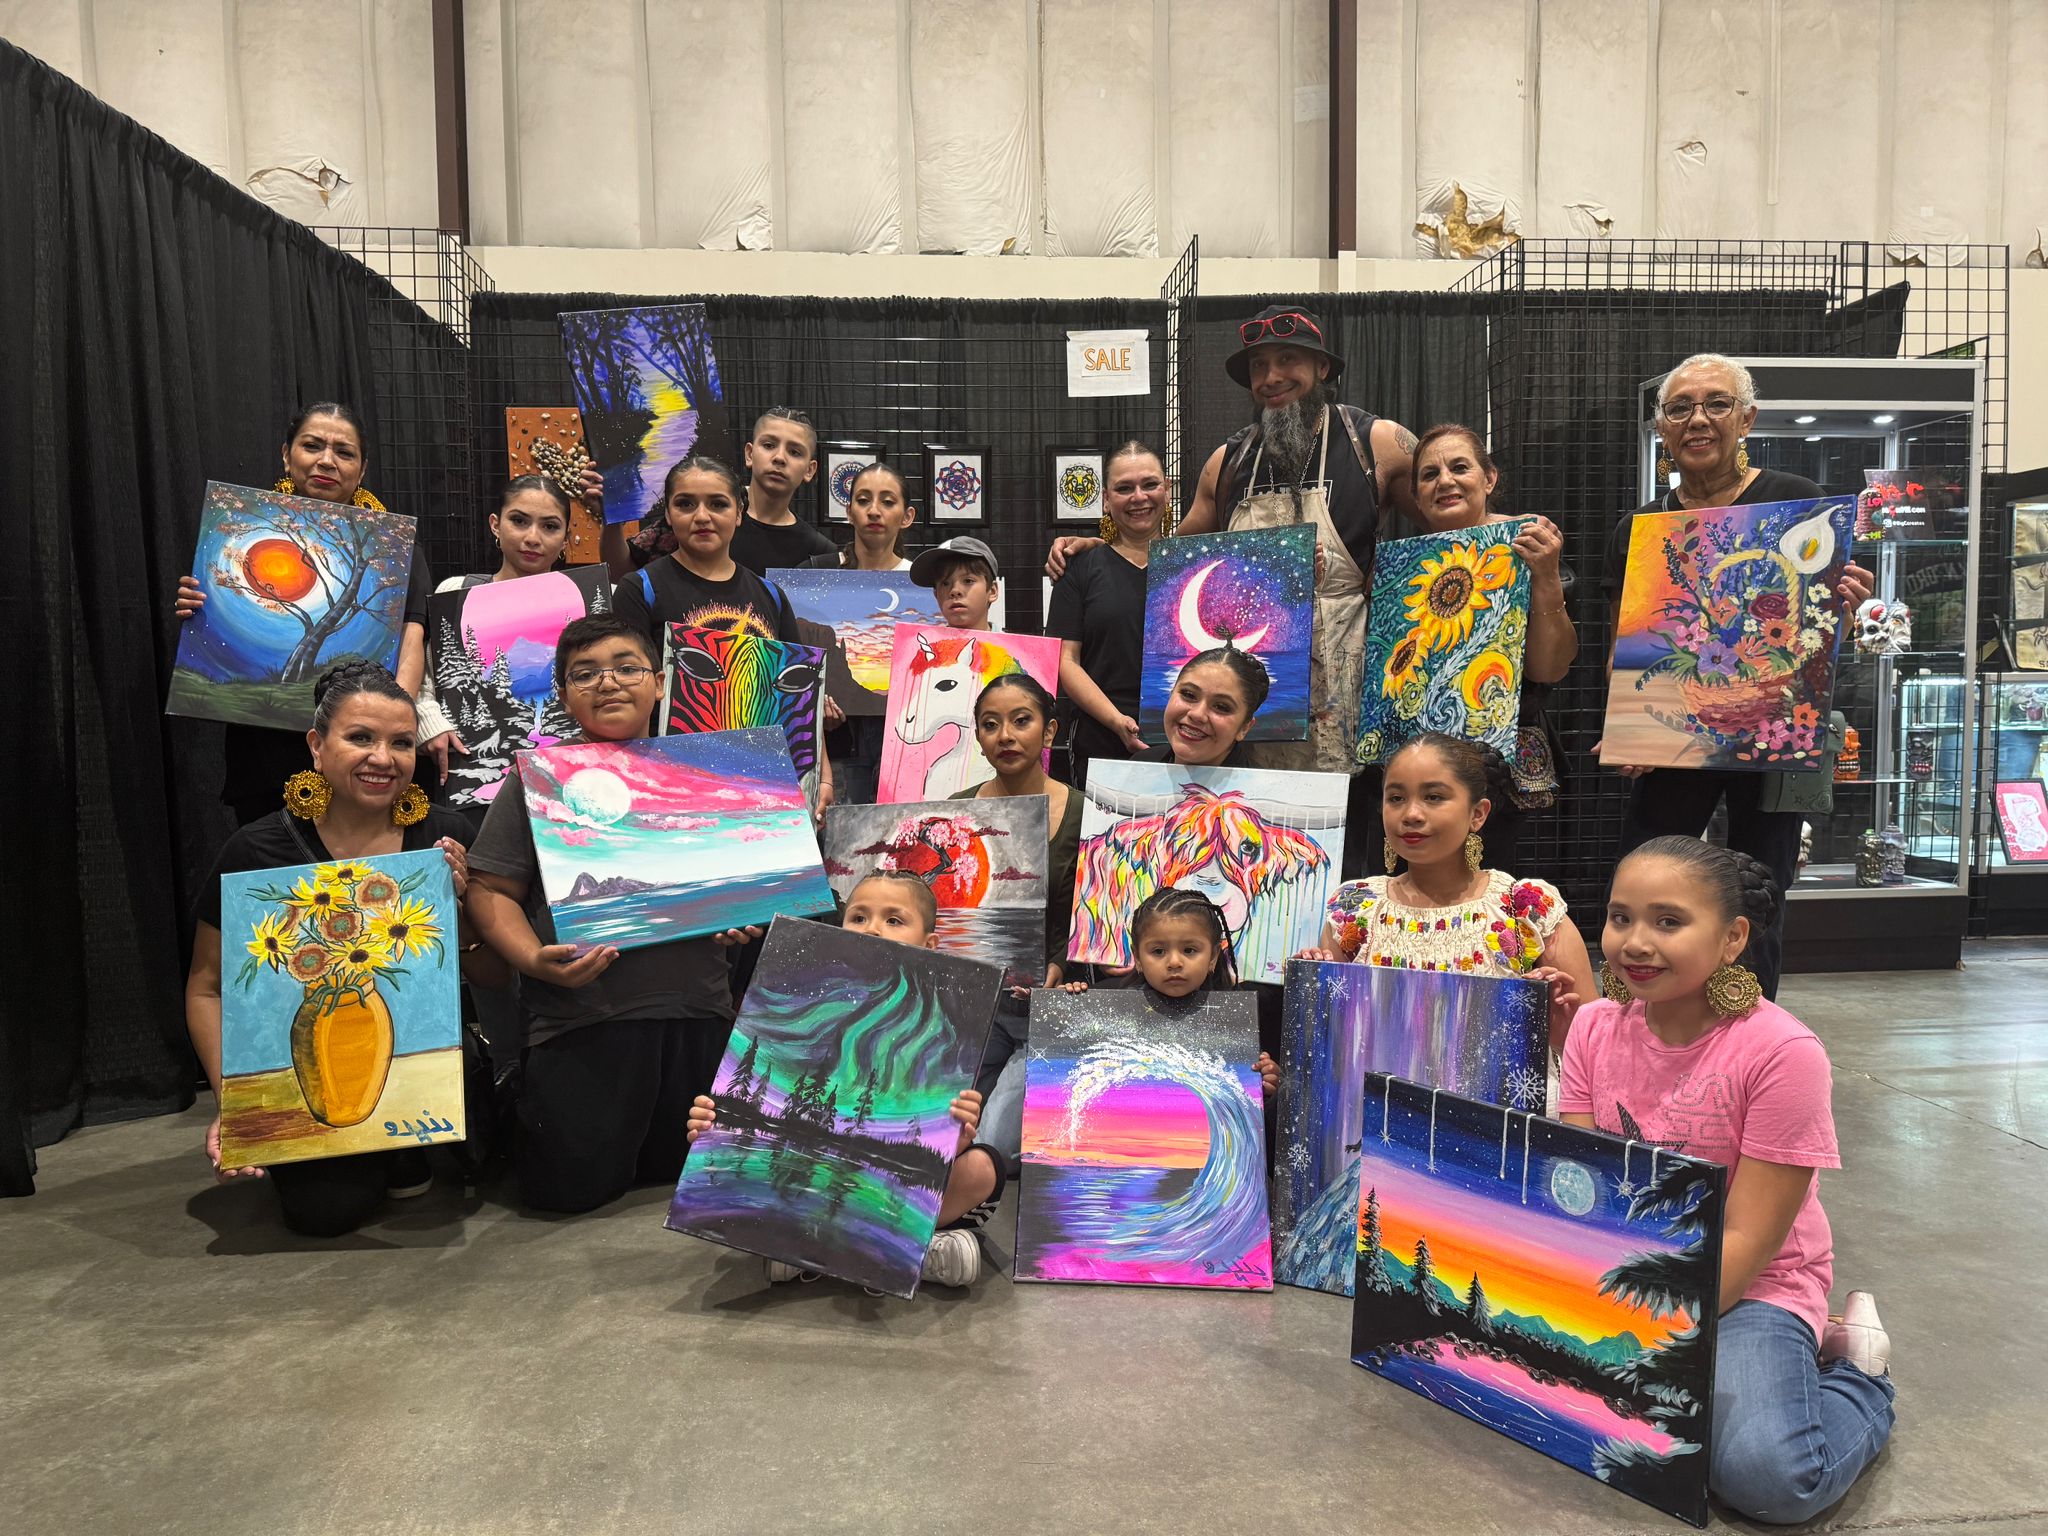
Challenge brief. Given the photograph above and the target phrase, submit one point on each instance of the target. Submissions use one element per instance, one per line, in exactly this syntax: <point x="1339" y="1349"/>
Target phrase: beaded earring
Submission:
<point x="1614" y="989"/>
<point x="307" y="794"/>
<point x="1733" y="990"/>
<point x="1475" y="851"/>
<point x="1391" y="857"/>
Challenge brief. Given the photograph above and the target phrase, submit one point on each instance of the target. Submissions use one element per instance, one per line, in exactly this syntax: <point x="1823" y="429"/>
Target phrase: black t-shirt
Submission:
<point x="763" y="547"/>
<point x="1354" y="494"/>
<point x="665" y="592"/>
<point x="1769" y="485"/>
<point x="282" y="841"/>
<point x="1100" y="602"/>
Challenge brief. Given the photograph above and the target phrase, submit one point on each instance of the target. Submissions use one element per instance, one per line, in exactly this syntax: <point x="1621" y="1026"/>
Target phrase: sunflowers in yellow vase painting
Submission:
<point x="341" y="1029"/>
<point x="1443" y="640"/>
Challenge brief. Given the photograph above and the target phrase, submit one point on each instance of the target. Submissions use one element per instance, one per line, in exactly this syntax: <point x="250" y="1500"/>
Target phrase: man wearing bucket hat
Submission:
<point x="1305" y="458"/>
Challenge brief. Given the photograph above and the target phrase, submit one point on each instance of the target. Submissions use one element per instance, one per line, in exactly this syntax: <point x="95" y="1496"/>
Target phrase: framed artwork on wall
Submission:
<point x="840" y="461"/>
<point x="956" y="483"/>
<point x="1076" y="477"/>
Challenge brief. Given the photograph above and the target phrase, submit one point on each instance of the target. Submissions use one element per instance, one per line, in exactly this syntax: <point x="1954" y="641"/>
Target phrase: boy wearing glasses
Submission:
<point x="618" y="1042"/>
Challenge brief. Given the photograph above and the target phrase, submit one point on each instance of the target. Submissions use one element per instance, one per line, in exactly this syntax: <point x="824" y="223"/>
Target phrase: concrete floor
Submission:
<point x="175" y="1362"/>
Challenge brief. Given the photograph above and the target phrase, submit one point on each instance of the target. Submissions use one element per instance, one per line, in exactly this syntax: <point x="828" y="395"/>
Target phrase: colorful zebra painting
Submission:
<point x="723" y="680"/>
<point x="935" y="675"/>
<point x="1265" y="845"/>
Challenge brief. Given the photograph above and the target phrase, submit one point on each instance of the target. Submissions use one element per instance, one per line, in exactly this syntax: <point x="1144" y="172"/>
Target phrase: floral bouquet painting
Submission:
<point x="340" y="1031"/>
<point x="1724" y="649"/>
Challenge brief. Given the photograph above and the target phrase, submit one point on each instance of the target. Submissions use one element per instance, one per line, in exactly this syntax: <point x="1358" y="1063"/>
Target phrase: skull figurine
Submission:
<point x="1884" y="629"/>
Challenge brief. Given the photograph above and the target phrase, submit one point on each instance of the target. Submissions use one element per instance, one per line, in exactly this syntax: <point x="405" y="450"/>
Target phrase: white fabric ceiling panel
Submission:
<point x="1226" y="118"/>
<point x="577" y="106"/>
<point x="1829" y="105"/>
<point x="1096" y="78"/>
<point x="839" y="112"/>
<point x="1469" y="120"/>
<point x="304" y="144"/>
<point x="483" y="69"/>
<point x="712" y="168"/>
<point x="1308" y="114"/>
<point x="971" y="125"/>
<point x="2026" y="137"/>
<point x="164" y="62"/>
<point x="1594" y="110"/>
<point x="1712" y="70"/>
<point x="1943" y="147"/>
<point x="1386" y="104"/>
<point x="48" y="29"/>
<point x="405" y="188"/>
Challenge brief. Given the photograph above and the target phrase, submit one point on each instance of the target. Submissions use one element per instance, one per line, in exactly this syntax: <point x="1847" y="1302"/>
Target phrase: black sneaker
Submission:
<point x="410" y="1176"/>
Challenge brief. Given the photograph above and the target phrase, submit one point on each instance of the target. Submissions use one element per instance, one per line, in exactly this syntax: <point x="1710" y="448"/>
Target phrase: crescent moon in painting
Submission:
<point x="895" y="600"/>
<point x="1191" y="629"/>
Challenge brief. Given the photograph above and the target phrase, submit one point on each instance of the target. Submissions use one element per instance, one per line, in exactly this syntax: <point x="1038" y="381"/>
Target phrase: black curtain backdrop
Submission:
<point x="160" y="327"/>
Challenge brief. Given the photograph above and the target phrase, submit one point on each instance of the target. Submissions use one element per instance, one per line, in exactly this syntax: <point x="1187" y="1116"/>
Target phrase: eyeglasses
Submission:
<point x="1678" y="412"/>
<point x="626" y="677"/>
<point x="1280" y="326"/>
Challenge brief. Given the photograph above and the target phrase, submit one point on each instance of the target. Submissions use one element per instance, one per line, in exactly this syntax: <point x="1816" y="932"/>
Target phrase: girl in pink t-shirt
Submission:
<point x="1686" y="1054"/>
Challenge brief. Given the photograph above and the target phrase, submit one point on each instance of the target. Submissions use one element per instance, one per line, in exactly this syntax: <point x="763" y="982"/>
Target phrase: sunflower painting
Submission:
<point x="1443" y="640"/>
<point x="340" y="1027"/>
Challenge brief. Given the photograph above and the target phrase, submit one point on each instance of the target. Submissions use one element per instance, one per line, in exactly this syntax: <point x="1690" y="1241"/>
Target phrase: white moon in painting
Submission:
<point x="1573" y="1187"/>
<point x="597" y="794"/>
<point x="1191" y="629"/>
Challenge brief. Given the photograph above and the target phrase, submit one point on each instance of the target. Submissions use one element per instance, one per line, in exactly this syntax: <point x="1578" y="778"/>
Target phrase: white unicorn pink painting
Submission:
<point x="935" y="674"/>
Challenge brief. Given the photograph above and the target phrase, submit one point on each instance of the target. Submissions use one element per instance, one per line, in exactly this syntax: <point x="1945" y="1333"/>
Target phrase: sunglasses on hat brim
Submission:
<point x="1278" y="328"/>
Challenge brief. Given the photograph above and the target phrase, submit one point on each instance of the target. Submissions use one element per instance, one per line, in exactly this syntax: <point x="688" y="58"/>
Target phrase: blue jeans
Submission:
<point x="1790" y="1433"/>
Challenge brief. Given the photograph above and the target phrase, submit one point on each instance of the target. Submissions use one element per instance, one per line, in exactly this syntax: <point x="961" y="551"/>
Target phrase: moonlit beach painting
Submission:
<point x="1254" y="591"/>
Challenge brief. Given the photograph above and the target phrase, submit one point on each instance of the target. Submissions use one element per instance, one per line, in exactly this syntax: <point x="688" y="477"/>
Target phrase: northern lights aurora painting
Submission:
<point x="1483" y="1036"/>
<point x="833" y="1142"/>
<point x="1557" y="1285"/>
<point x="1145" y="1140"/>
<point x="1255" y="590"/>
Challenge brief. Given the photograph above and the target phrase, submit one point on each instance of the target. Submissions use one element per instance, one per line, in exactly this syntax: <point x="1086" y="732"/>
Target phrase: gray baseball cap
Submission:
<point x="924" y="570"/>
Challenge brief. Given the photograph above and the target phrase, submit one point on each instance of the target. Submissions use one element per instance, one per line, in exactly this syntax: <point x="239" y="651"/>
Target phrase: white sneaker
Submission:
<point x="1858" y="1337"/>
<point x="954" y="1258"/>
<point x="781" y="1274"/>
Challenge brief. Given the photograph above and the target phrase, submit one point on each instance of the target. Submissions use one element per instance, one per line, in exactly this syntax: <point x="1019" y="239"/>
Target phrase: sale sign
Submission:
<point x="1109" y="363"/>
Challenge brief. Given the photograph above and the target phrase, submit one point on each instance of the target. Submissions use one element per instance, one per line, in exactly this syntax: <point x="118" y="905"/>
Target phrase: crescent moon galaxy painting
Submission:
<point x="645" y="842"/>
<point x="1253" y="590"/>
<point x="292" y="586"/>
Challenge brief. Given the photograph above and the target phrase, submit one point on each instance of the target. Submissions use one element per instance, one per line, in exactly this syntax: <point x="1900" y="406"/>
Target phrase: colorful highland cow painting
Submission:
<point x="644" y="842"/>
<point x="1486" y="1037"/>
<point x="1443" y="640"/>
<point x="1724" y="649"/>
<point x="935" y="675"/>
<point x="548" y="440"/>
<point x="723" y="680"/>
<point x="984" y="861"/>
<point x="647" y="387"/>
<point x="862" y="610"/>
<point x="293" y="585"/>
<point x="1254" y="591"/>
<point x="1555" y="1284"/>
<point x="1265" y="845"/>
<point x="1145" y="1137"/>
<point x="834" y="1138"/>
<point x="494" y="670"/>
<point x="340" y="1010"/>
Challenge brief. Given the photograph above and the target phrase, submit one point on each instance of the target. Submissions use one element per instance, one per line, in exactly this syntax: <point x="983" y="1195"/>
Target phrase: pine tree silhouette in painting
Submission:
<point x="1423" y="1280"/>
<point x="742" y="1086"/>
<point x="1372" y="1271"/>
<point x="864" y="1106"/>
<point x="1477" y="1312"/>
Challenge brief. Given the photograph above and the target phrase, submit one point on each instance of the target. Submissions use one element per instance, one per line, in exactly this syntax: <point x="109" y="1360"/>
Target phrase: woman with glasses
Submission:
<point x="1098" y="609"/>
<point x="1705" y="408"/>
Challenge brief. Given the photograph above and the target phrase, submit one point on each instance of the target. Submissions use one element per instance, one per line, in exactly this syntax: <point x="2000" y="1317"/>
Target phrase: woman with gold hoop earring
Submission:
<point x="1696" y="1060"/>
<point x="357" y="801"/>
<point x="1098" y="608"/>
<point x="323" y="457"/>
<point x="1705" y="409"/>
<point x="1441" y="909"/>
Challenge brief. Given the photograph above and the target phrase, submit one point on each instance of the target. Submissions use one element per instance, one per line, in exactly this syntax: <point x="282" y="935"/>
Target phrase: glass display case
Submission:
<point x="2012" y="762"/>
<point x="1889" y="865"/>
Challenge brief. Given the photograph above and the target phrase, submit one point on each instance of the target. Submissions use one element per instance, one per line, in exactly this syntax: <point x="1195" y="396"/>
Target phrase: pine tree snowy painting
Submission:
<point x="494" y="669"/>
<point x="833" y="1142"/>
<point x="1555" y="1284"/>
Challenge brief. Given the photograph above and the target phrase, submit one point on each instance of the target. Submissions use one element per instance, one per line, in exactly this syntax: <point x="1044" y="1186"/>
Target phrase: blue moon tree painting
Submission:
<point x="1144" y="1133"/>
<point x="647" y="386"/>
<point x="494" y="670"/>
<point x="644" y="842"/>
<point x="1253" y="590"/>
<point x="834" y="1142"/>
<point x="1486" y="1037"/>
<point x="293" y="585"/>
<point x="1558" y="1285"/>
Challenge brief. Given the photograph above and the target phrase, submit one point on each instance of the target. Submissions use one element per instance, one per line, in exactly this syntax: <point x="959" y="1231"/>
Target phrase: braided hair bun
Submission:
<point x="1761" y="898"/>
<point x="346" y="679"/>
<point x="1738" y="885"/>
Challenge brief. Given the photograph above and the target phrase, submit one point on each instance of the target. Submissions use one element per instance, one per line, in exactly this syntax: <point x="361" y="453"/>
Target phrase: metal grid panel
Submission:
<point x="1180" y="294"/>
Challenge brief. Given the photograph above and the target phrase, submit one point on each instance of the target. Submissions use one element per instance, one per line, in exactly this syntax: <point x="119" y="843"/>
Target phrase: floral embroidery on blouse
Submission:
<point x="1503" y="929"/>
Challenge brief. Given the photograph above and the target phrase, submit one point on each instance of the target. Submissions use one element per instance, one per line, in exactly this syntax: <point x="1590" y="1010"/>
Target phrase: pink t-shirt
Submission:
<point x="1757" y="1086"/>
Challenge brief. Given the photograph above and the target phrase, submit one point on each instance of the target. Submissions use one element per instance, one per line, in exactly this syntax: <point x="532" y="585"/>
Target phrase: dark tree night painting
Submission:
<point x="1555" y="1284"/>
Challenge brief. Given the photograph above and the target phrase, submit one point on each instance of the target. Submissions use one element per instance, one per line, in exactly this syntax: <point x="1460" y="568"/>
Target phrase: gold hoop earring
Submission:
<point x="1614" y="989"/>
<point x="1392" y="857"/>
<point x="1665" y="468"/>
<point x="1475" y="851"/>
<point x="1733" y="990"/>
<point x="1742" y="457"/>
<point x="307" y="794"/>
<point x="410" y="807"/>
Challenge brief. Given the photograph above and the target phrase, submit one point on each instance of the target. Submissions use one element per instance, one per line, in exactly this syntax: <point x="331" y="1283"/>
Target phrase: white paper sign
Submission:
<point x="1109" y="363"/>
